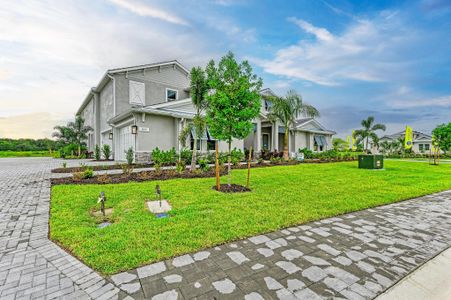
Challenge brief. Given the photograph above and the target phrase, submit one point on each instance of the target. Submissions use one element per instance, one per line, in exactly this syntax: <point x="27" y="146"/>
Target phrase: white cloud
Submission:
<point x="443" y="101"/>
<point x="59" y="49"/>
<point x="320" y="33"/>
<point x="146" y="10"/>
<point x="367" y="50"/>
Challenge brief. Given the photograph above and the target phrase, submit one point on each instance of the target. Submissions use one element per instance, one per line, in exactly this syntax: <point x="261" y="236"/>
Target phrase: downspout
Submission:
<point x="114" y="93"/>
<point x="113" y="143"/>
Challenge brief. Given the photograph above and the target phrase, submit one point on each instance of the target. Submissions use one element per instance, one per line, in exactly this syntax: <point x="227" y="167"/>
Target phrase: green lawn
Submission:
<point x="281" y="196"/>
<point x="24" y="153"/>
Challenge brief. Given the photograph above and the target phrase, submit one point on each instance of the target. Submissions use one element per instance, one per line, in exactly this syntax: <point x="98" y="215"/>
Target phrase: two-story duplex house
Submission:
<point x="147" y="106"/>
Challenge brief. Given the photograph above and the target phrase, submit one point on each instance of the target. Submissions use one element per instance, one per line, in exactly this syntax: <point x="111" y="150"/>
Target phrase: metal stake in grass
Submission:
<point x="158" y="193"/>
<point x="102" y="200"/>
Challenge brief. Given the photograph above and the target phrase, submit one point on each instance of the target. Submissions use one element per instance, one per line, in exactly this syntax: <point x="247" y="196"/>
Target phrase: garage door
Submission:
<point x="125" y="141"/>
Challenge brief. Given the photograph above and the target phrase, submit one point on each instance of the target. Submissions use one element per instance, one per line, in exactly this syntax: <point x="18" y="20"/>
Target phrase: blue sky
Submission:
<point x="351" y="59"/>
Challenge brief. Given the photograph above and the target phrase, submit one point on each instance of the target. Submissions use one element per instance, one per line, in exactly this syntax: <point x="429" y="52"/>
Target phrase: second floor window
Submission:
<point x="171" y="95"/>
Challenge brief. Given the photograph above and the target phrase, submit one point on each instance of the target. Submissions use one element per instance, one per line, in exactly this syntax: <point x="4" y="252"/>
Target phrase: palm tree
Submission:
<point x="286" y="110"/>
<point x="80" y="131"/>
<point x="199" y="90"/>
<point x="64" y="134"/>
<point x="386" y="146"/>
<point x="368" y="131"/>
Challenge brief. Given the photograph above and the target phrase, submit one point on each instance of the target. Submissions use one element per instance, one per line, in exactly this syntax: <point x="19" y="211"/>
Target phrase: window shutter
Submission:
<point x="137" y="92"/>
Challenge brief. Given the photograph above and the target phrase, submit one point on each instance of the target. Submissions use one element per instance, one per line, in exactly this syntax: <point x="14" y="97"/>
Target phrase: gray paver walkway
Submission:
<point x="354" y="256"/>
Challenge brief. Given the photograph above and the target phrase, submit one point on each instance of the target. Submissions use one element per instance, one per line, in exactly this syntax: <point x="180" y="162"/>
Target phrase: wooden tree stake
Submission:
<point x="249" y="167"/>
<point x="218" y="182"/>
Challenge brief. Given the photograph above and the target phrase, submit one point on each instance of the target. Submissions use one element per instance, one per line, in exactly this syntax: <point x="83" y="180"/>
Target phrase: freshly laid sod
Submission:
<point x="24" y="153"/>
<point x="201" y="217"/>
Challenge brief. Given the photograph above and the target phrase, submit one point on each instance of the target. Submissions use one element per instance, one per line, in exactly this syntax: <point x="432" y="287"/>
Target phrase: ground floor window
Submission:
<point x="319" y="143"/>
<point x="198" y="145"/>
<point x="211" y="145"/>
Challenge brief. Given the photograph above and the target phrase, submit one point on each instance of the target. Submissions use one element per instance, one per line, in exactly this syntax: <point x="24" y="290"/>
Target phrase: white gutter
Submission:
<point x="114" y="93"/>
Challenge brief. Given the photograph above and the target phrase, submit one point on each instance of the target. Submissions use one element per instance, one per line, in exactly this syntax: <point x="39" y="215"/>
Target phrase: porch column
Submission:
<point x="276" y="135"/>
<point x="258" y="145"/>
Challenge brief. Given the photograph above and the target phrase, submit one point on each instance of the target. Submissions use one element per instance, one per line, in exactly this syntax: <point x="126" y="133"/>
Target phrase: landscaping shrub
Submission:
<point x="130" y="156"/>
<point x="203" y="165"/>
<point x="186" y="155"/>
<point x="180" y="166"/>
<point x="266" y="154"/>
<point x="97" y="152"/>
<point x="88" y="173"/>
<point x="127" y="169"/>
<point x="236" y="156"/>
<point x="77" y="176"/>
<point x="106" y="151"/>
<point x="103" y="179"/>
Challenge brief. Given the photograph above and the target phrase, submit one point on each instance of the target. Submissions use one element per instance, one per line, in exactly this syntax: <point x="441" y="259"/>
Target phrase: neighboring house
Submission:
<point x="147" y="106"/>
<point x="422" y="143"/>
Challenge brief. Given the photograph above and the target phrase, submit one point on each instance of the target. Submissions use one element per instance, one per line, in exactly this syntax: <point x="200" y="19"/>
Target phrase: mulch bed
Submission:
<point x="172" y="174"/>
<point x="138" y="177"/>
<point x="233" y="188"/>
<point x="98" y="168"/>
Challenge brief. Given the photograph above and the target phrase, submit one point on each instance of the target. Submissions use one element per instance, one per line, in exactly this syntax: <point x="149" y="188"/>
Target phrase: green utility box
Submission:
<point x="367" y="161"/>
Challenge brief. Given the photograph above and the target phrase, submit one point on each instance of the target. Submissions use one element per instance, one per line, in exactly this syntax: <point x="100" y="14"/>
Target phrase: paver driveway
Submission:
<point x="354" y="256"/>
<point x="31" y="266"/>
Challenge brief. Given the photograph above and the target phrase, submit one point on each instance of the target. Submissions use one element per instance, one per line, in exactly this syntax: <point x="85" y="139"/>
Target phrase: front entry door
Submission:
<point x="265" y="141"/>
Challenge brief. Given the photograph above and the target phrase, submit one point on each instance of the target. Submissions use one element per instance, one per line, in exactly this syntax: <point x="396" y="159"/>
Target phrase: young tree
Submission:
<point x="233" y="100"/>
<point x="442" y="136"/>
<point x="198" y="97"/>
<point x="340" y="144"/>
<point x="286" y="110"/>
<point x="368" y="131"/>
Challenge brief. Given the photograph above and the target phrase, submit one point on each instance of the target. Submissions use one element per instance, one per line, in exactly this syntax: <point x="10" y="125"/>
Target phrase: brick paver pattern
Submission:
<point x="353" y="256"/>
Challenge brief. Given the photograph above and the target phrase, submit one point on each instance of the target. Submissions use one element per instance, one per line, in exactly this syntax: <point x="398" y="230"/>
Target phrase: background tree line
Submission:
<point x="27" y="144"/>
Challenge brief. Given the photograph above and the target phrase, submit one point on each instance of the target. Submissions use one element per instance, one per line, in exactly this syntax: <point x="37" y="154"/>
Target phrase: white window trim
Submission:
<point x="176" y="94"/>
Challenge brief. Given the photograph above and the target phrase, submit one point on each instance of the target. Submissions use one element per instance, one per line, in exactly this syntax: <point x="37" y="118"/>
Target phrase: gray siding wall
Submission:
<point x="88" y="114"/>
<point x="156" y="81"/>
<point x="106" y="105"/>
<point x="162" y="133"/>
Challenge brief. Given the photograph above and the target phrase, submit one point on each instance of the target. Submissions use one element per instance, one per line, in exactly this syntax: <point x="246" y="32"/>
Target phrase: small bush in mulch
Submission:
<point x="233" y="188"/>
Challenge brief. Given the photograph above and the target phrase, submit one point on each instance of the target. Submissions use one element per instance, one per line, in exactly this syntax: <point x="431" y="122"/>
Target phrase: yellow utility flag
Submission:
<point x="408" y="140"/>
<point x="353" y="145"/>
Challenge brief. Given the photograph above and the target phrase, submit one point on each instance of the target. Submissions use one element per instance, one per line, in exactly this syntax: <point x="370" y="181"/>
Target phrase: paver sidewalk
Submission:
<point x="354" y="256"/>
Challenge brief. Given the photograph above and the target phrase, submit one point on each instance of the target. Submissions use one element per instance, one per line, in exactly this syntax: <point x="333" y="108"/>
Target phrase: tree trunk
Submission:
<point x="229" y="162"/>
<point x="218" y="180"/>
<point x="249" y="168"/>
<point x="285" y="144"/>
<point x="79" y="150"/>
<point x="193" y="157"/>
